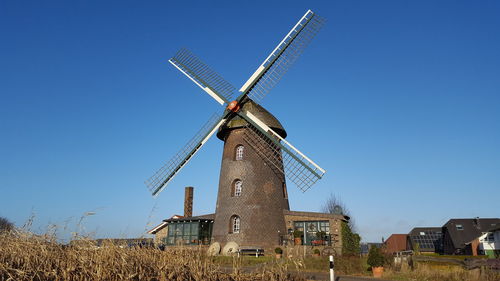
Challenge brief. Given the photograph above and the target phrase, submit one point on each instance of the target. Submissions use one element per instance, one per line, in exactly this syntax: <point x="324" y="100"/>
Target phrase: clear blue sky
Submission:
<point x="397" y="100"/>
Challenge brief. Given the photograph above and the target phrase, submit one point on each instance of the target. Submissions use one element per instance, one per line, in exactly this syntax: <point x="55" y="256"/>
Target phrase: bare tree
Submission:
<point x="334" y="205"/>
<point x="5" y="225"/>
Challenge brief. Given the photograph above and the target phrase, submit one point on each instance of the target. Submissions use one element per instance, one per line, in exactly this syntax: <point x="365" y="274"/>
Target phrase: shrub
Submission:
<point x="316" y="251"/>
<point x="350" y="240"/>
<point x="375" y="257"/>
<point x="320" y="235"/>
<point x="5" y="225"/>
<point x="298" y="234"/>
<point x="349" y="265"/>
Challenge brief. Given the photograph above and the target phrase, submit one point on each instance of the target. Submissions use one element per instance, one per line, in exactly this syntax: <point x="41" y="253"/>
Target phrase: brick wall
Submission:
<point x="335" y="224"/>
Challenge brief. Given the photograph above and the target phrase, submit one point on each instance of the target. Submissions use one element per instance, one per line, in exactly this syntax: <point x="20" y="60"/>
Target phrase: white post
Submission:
<point x="332" y="274"/>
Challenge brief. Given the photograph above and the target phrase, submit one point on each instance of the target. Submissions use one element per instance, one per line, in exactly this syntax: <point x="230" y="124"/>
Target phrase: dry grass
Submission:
<point x="24" y="256"/>
<point x="427" y="272"/>
<point x="29" y="257"/>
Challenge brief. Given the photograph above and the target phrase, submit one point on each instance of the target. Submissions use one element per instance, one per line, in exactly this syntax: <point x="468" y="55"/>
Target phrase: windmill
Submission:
<point x="256" y="158"/>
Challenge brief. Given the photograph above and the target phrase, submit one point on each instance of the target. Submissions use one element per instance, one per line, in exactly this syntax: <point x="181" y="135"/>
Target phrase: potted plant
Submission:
<point x="320" y="238"/>
<point x="376" y="260"/>
<point x="297" y="237"/>
<point x="316" y="253"/>
<point x="278" y="252"/>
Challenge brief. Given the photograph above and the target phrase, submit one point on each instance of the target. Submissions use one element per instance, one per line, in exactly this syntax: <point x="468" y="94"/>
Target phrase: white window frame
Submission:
<point x="238" y="186"/>
<point x="239" y="152"/>
<point x="236" y="224"/>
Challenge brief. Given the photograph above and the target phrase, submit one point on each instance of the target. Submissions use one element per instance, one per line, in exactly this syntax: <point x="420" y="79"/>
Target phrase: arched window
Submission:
<point x="234" y="224"/>
<point x="238" y="185"/>
<point x="239" y="152"/>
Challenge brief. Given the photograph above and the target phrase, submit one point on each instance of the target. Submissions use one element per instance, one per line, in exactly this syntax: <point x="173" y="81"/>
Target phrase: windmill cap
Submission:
<point x="260" y="112"/>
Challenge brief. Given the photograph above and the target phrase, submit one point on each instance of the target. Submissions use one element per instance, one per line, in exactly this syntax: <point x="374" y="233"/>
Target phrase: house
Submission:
<point x="311" y="224"/>
<point x="318" y="229"/>
<point x="181" y="230"/>
<point x="488" y="243"/>
<point x="459" y="234"/>
<point x="160" y="231"/>
<point x="395" y="243"/>
<point x="425" y="239"/>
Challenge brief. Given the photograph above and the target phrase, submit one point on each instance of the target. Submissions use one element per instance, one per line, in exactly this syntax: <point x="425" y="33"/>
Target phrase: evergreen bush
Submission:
<point x="375" y="257"/>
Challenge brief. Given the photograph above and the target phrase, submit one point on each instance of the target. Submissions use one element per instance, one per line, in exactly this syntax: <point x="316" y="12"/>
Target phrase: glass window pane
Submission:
<point x="187" y="228"/>
<point x="311" y="226"/>
<point x="178" y="229"/>
<point x="237" y="188"/>
<point x="194" y="229"/>
<point x="239" y="152"/>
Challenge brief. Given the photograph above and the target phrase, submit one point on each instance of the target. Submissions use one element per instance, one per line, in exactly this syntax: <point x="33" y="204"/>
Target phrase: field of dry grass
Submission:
<point x="428" y="272"/>
<point x="24" y="256"/>
<point x="29" y="257"/>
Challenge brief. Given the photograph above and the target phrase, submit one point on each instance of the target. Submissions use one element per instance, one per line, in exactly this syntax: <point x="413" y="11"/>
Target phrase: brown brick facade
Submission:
<point x="261" y="203"/>
<point x="160" y="234"/>
<point x="334" y="220"/>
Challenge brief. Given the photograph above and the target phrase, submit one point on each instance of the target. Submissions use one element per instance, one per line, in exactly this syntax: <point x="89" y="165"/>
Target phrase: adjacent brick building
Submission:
<point x="395" y="243"/>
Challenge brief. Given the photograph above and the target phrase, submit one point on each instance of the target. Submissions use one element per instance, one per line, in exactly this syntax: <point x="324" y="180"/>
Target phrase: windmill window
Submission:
<point x="235" y="224"/>
<point x="237" y="188"/>
<point x="239" y="152"/>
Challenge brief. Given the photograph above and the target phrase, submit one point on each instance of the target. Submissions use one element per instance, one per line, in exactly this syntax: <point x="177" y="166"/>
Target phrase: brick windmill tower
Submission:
<point x="252" y="190"/>
<point x="256" y="158"/>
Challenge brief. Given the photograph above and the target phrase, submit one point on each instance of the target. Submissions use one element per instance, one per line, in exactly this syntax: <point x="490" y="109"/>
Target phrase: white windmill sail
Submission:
<point x="282" y="57"/>
<point x="203" y="76"/>
<point x="284" y="157"/>
<point x="296" y="166"/>
<point x="165" y="174"/>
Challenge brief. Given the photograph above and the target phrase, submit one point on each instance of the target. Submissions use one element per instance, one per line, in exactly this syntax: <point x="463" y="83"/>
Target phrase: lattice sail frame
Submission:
<point x="203" y="76"/>
<point x="282" y="57"/>
<point x="160" y="179"/>
<point x="281" y="154"/>
<point x="295" y="165"/>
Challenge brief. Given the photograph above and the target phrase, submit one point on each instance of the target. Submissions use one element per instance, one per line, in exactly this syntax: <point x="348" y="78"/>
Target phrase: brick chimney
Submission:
<point x="188" y="202"/>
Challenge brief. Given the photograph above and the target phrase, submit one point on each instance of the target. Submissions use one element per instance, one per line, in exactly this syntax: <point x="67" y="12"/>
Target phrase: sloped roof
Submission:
<point x="462" y="231"/>
<point x="157" y="228"/>
<point x="429" y="239"/>
<point x="396" y="243"/>
<point x="194" y="218"/>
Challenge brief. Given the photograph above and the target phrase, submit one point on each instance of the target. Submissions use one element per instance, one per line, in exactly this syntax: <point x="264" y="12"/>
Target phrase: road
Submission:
<point x="317" y="276"/>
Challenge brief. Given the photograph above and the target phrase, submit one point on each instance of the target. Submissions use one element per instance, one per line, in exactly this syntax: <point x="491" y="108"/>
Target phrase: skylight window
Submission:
<point x="459" y="227"/>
